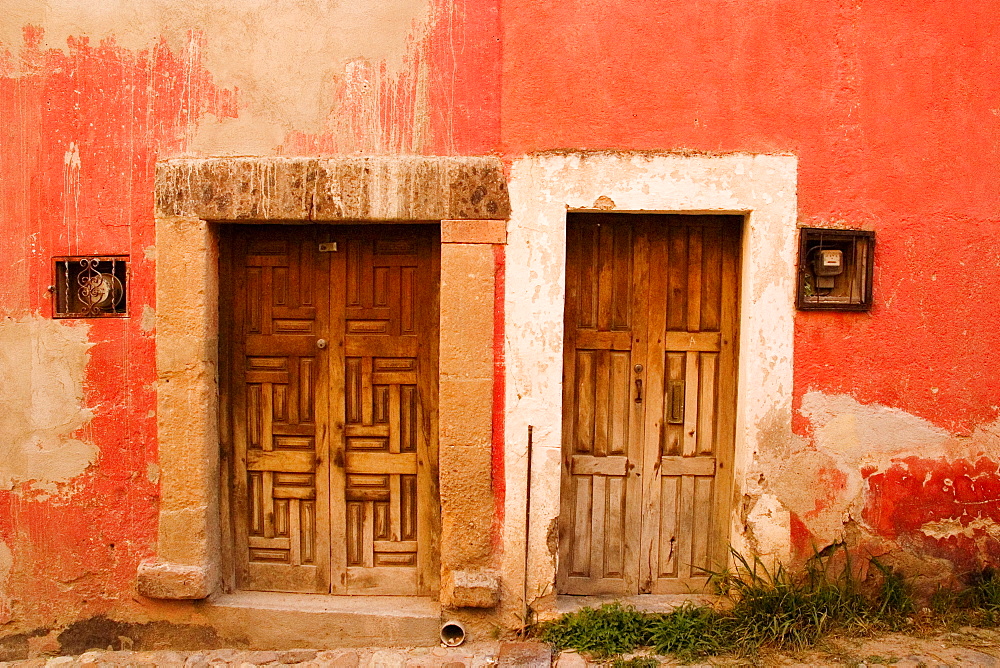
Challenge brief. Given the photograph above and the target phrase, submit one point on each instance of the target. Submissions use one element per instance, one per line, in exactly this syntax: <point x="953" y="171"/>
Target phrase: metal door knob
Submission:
<point x="321" y="344"/>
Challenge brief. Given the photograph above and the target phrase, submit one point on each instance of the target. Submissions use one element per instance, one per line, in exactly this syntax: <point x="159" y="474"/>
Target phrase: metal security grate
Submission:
<point x="90" y="286"/>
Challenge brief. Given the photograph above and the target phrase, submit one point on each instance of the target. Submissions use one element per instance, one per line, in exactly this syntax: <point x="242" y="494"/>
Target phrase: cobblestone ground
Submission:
<point x="474" y="656"/>
<point x="965" y="647"/>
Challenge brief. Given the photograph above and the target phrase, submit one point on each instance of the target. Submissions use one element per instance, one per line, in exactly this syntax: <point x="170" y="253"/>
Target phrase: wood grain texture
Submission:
<point x="645" y="482"/>
<point x="279" y="500"/>
<point x="334" y="469"/>
<point x="605" y="339"/>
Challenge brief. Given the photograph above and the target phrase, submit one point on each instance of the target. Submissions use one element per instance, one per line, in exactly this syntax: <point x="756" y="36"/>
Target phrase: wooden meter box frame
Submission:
<point x="853" y="287"/>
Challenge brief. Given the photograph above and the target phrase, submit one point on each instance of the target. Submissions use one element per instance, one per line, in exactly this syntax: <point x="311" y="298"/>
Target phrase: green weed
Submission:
<point x="635" y="662"/>
<point x="688" y="632"/>
<point x="768" y="608"/>
<point x="604" y="631"/>
<point x="978" y="604"/>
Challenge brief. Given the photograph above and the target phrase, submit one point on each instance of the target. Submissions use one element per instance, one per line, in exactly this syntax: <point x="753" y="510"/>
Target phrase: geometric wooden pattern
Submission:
<point x="649" y="400"/>
<point x="281" y="478"/>
<point x="334" y="483"/>
<point x="389" y="322"/>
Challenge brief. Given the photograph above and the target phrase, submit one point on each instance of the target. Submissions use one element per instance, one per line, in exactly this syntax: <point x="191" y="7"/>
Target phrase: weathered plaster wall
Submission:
<point x="542" y="189"/>
<point x="91" y="95"/>
<point x="43" y="410"/>
<point x="890" y="108"/>
<point x="892" y="111"/>
<point x="324" y="76"/>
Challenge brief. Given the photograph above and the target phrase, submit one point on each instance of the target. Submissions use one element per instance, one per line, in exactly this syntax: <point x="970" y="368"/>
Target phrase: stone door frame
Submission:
<point x="467" y="196"/>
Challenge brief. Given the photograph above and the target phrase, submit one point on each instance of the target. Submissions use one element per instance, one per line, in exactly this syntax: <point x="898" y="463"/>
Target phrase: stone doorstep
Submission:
<point x="268" y="620"/>
<point x="641" y="602"/>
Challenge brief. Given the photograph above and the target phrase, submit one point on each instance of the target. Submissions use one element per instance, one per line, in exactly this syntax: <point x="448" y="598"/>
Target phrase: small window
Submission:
<point x="835" y="269"/>
<point x="91" y="286"/>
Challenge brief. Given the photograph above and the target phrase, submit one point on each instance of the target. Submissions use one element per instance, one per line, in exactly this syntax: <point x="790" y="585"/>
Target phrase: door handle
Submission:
<point x="638" y="390"/>
<point x="321" y="344"/>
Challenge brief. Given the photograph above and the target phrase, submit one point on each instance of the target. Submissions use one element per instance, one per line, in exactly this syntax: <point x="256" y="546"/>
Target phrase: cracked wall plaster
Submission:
<point x="284" y="58"/>
<point x="826" y="481"/>
<point x="42" y="409"/>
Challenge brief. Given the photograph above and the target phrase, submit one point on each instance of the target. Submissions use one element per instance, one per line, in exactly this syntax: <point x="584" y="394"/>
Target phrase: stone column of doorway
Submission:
<point x="187" y="325"/>
<point x="465" y="408"/>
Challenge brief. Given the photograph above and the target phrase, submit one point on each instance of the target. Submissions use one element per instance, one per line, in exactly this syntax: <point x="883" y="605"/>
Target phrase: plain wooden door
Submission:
<point x="332" y="338"/>
<point x="649" y="401"/>
<point x="602" y="421"/>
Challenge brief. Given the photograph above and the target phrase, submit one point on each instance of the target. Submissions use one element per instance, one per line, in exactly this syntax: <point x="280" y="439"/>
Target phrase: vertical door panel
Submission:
<point x="280" y="481"/>
<point x="605" y="323"/>
<point x="389" y="470"/>
<point x="685" y="530"/>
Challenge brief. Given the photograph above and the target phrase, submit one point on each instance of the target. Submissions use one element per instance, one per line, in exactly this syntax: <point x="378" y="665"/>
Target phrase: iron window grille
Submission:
<point x="93" y="286"/>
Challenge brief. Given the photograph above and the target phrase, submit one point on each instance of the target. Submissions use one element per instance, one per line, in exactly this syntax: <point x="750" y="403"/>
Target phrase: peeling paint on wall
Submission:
<point x="854" y="433"/>
<point x="6" y="562"/>
<point x="284" y="58"/>
<point x="894" y="481"/>
<point x="41" y="407"/>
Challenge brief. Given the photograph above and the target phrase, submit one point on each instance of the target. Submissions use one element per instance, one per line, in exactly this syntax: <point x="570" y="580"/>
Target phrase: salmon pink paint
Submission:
<point x="890" y="108"/>
<point x="80" y="131"/>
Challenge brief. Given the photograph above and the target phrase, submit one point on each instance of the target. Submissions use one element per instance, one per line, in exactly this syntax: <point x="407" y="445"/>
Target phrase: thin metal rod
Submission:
<point x="527" y="525"/>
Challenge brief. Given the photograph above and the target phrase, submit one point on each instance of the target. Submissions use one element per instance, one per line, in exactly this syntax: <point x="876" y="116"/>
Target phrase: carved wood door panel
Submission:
<point x="331" y="394"/>
<point x="649" y="398"/>
<point x="387" y="316"/>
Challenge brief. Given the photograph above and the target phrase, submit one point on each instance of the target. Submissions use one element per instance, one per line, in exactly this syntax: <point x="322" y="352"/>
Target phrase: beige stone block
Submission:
<point x="187" y="535"/>
<point x="471" y="589"/>
<point x="187" y="408"/>
<point x="161" y="579"/>
<point x="473" y="231"/>
<point x="467" y="310"/>
<point x="465" y="411"/>
<point x="466" y="506"/>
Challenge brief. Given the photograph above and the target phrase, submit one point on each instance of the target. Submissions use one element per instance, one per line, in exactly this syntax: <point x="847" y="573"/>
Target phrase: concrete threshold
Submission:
<point x="271" y="620"/>
<point x="642" y="602"/>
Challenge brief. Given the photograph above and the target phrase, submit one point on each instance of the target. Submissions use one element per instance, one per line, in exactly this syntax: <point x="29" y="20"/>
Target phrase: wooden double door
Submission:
<point x="649" y="392"/>
<point x="331" y="345"/>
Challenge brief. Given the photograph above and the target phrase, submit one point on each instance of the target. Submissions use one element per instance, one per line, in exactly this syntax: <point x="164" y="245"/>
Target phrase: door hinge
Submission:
<point x="330" y="247"/>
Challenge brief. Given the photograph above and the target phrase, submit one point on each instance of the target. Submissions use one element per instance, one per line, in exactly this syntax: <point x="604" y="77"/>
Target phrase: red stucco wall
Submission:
<point x="76" y="551"/>
<point x="892" y="110"/>
<point x="891" y="107"/>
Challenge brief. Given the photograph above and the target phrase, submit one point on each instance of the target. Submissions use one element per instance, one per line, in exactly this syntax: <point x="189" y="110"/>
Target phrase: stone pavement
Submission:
<point x="965" y="647"/>
<point x="471" y="655"/>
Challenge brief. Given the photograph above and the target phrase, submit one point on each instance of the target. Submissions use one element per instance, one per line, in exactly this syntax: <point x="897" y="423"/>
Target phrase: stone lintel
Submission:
<point x="373" y="188"/>
<point x="473" y="231"/>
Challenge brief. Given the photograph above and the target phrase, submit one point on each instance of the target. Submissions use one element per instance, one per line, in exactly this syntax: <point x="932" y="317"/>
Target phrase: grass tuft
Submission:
<point x="768" y="608"/>
<point x="688" y="632"/>
<point x="976" y="605"/>
<point x="605" y="631"/>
